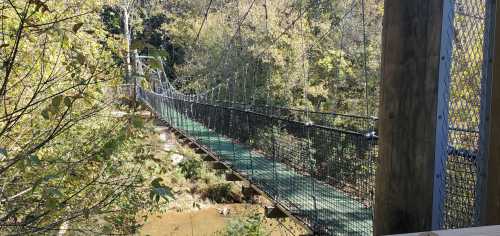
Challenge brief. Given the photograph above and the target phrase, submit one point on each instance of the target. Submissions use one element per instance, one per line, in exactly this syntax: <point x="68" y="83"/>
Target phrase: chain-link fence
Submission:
<point x="467" y="76"/>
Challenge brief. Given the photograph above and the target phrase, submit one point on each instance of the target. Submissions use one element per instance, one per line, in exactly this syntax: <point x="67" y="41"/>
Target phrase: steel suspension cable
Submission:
<point x="365" y="57"/>
<point x="204" y="20"/>
<point x="308" y="120"/>
<point x="233" y="37"/>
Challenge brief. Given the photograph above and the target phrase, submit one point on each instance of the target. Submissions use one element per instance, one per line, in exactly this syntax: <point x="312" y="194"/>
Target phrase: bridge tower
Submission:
<point x="418" y="40"/>
<point x="491" y="208"/>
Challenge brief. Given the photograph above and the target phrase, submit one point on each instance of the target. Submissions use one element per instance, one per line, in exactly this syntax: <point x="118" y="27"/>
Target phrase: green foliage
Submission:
<point x="273" y="50"/>
<point x="245" y="226"/>
<point x="159" y="190"/>
<point x="111" y="17"/>
<point x="219" y="192"/>
<point x="151" y="37"/>
<point x="66" y="158"/>
<point x="209" y="184"/>
<point x="191" y="168"/>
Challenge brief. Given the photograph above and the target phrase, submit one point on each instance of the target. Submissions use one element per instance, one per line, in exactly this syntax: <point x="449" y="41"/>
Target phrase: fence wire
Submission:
<point x="467" y="78"/>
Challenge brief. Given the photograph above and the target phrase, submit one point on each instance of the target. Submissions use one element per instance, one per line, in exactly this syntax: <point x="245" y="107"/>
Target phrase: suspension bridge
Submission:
<point x="319" y="167"/>
<point x="319" y="174"/>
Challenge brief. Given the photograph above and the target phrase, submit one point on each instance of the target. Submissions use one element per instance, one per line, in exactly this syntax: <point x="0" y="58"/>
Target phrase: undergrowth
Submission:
<point x="207" y="183"/>
<point x="245" y="226"/>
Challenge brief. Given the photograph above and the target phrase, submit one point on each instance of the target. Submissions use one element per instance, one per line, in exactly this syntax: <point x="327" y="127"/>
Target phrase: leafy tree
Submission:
<point x="270" y="52"/>
<point x="67" y="162"/>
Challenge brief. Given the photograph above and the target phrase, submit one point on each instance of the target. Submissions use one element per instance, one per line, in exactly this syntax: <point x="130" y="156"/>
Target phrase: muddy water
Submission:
<point x="207" y="222"/>
<point x="202" y="222"/>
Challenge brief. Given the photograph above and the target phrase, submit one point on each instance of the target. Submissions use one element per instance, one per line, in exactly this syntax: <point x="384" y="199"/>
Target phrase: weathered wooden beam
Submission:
<point x="492" y="206"/>
<point x="199" y="150"/>
<point x="217" y="165"/>
<point x="413" y="117"/>
<point x="186" y="141"/>
<point x="231" y="176"/>
<point x="274" y="212"/>
<point x="483" y="231"/>
<point x="208" y="157"/>
<point x="249" y="191"/>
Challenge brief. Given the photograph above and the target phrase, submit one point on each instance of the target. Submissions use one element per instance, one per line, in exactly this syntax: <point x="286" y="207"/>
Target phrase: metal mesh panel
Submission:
<point x="464" y="112"/>
<point x="348" y="122"/>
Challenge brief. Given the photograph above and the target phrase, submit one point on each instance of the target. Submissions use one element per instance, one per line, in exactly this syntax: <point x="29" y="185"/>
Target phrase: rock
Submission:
<point x="118" y="114"/>
<point x="176" y="159"/>
<point x="225" y="211"/>
<point x="163" y="137"/>
<point x="168" y="147"/>
<point x="168" y="143"/>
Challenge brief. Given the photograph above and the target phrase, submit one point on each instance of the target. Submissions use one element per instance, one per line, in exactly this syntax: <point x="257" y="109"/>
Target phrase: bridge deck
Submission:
<point x="327" y="208"/>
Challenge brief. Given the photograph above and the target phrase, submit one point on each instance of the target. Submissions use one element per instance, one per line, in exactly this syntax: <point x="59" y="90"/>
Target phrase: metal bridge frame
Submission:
<point x="239" y="176"/>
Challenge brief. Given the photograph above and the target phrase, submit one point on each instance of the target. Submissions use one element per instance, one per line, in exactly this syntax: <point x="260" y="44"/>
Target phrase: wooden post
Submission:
<point x="413" y="116"/>
<point x="492" y="206"/>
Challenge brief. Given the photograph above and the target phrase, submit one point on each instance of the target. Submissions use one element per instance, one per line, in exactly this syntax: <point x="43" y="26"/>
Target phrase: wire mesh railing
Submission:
<point x="321" y="174"/>
<point x="466" y="99"/>
<point x="356" y="123"/>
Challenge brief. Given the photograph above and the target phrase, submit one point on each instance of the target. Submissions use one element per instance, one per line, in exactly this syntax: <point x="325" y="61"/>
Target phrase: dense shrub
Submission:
<point x="191" y="168"/>
<point x="219" y="192"/>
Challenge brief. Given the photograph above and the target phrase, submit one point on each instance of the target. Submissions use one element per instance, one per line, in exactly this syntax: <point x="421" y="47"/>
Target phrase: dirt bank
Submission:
<point x="208" y="221"/>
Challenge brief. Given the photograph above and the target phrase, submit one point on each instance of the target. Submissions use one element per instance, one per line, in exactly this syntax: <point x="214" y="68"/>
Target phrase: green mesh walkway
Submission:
<point x="312" y="201"/>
